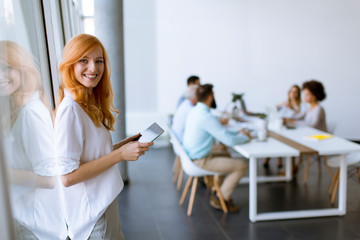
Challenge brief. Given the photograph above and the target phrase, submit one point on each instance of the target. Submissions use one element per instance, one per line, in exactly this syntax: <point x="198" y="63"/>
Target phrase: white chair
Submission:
<point x="194" y="172"/>
<point x="334" y="161"/>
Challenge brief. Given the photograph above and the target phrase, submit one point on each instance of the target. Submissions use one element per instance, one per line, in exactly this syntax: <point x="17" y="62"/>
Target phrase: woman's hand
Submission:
<point x="129" y="151"/>
<point x="288" y="121"/>
<point x="224" y="121"/>
<point x="245" y="132"/>
<point x="127" y="140"/>
<point x="133" y="150"/>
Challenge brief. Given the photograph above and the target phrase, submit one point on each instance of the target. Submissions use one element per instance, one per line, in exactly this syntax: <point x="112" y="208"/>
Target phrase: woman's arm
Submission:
<point x="128" y="152"/>
<point x="30" y="179"/>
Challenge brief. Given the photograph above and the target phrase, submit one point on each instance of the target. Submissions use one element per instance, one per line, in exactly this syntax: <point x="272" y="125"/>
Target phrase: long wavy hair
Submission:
<point x="17" y="58"/>
<point x="98" y="105"/>
<point x="298" y="98"/>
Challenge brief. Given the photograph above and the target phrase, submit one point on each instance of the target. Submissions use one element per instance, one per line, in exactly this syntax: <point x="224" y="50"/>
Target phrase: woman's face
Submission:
<point x="10" y="80"/>
<point x="308" y="96"/>
<point x="90" y="68"/>
<point x="293" y="93"/>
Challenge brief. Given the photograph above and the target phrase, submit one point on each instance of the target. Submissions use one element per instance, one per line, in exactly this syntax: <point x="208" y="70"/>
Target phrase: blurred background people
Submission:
<point x="179" y="119"/>
<point x="293" y="107"/>
<point x="29" y="152"/>
<point x="192" y="80"/>
<point x="201" y="130"/>
<point x="314" y="115"/>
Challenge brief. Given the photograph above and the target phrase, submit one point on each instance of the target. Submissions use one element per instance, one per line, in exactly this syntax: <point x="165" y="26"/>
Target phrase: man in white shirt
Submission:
<point x="191" y="81"/>
<point x="201" y="130"/>
<point x="179" y="119"/>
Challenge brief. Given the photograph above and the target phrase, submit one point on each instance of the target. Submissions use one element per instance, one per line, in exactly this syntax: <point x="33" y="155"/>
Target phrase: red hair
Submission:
<point x="18" y="58"/>
<point x="98" y="105"/>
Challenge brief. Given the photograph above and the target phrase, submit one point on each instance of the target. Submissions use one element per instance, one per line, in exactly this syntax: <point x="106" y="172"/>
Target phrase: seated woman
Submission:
<point x="314" y="116"/>
<point x="292" y="108"/>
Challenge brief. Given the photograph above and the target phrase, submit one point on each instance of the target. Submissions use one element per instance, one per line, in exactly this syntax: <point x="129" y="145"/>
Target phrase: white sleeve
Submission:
<point x="69" y="138"/>
<point x="37" y="136"/>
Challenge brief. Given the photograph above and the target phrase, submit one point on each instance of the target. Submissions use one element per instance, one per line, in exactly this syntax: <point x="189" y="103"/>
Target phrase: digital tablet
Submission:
<point x="151" y="133"/>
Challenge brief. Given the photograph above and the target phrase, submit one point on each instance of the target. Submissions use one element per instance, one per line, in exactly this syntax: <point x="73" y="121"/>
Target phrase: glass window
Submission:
<point x="26" y="122"/>
<point x="88" y="16"/>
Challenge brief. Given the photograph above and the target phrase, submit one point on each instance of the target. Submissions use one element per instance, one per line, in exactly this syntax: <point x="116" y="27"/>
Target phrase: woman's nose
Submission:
<point x="91" y="65"/>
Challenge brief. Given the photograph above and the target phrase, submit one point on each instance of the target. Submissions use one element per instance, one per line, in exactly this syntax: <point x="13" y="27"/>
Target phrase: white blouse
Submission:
<point x="287" y="112"/>
<point x="77" y="141"/>
<point x="30" y="149"/>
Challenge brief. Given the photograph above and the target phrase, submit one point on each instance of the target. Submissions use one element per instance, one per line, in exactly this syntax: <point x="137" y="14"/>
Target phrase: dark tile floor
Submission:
<point x="149" y="206"/>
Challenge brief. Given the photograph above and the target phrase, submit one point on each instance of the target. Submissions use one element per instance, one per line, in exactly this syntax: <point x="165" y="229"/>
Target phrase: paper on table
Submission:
<point x="319" y="137"/>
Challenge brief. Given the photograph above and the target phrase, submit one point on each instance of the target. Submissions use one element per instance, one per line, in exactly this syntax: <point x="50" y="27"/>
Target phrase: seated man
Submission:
<point x="178" y="122"/>
<point x="201" y="130"/>
<point x="191" y="81"/>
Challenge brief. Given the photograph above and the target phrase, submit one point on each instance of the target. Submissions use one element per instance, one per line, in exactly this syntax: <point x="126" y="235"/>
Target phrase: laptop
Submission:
<point x="243" y="107"/>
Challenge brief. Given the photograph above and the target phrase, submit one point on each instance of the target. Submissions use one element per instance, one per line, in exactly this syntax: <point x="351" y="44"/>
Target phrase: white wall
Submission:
<point x="261" y="48"/>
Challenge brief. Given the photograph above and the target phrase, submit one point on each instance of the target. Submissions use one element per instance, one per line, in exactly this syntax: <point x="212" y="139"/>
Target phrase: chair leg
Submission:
<point x="221" y="198"/>
<point x="206" y="180"/>
<point x="333" y="181"/>
<point x="176" y="162"/>
<point x="335" y="190"/>
<point x="328" y="167"/>
<point x="294" y="166"/>
<point x="308" y="158"/>
<point x="179" y="181"/>
<point x="177" y="168"/>
<point x="300" y="160"/>
<point x="186" y="189"/>
<point x="192" y="196"/>
<point x="280" y="162"/>
<point x="211" y="183"/>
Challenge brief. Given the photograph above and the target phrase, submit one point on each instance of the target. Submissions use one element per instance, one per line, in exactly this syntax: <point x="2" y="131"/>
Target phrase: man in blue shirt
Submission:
<point x="201" y="130"/>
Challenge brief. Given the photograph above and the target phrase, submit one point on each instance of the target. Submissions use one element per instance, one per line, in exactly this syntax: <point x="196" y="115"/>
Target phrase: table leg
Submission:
<point x="288" y="172"/>
<point x="252" y="189"/>
<point x="342" y="185"/>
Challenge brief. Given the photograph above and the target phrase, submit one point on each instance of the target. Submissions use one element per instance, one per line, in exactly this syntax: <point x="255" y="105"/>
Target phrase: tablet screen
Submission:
<point x="151" y="133"/>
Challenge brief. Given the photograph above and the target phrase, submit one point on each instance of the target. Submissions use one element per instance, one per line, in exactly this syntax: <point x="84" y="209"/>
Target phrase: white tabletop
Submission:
<point x="331" y="146"/>
<point x="269" y="148"/>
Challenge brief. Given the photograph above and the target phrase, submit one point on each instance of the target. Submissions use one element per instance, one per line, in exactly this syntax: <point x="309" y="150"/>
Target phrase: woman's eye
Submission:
<point x="83" y="61"/>
<point x="99" y="61"/>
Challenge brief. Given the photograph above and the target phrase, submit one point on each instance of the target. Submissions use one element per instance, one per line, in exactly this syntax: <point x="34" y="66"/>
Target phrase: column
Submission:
<point x="109" y="29"/>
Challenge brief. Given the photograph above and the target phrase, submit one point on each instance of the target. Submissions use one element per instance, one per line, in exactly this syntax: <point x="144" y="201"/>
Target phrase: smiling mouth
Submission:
<point x="5" y="83"/>
<point x="90" y="76"/>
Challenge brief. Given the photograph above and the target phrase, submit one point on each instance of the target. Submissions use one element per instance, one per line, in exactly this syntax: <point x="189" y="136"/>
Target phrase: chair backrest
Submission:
<point x="331" y="126"/>
<point x="351" y="159"/>
<point x="187" y="164"/>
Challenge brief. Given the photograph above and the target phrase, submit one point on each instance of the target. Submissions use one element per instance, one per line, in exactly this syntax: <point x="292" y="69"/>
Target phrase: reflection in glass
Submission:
<point x="27" y="126"/>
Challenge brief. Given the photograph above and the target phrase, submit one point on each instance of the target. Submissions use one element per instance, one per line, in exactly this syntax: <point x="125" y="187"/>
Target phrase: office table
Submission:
<point x="255" y="150"/>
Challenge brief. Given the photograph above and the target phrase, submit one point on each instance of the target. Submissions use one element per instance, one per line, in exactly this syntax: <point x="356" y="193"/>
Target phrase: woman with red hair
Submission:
<point x="85" y="154"/>
<point x="27" y="133"/>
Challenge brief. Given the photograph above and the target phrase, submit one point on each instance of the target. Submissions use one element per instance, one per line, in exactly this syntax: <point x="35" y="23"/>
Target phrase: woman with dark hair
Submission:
<point x="314" y="115"/>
